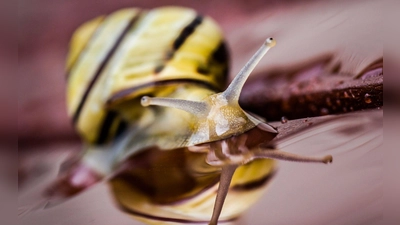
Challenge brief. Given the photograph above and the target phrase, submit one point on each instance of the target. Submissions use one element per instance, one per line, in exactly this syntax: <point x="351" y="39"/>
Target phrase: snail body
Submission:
<point x="170" y="164"/>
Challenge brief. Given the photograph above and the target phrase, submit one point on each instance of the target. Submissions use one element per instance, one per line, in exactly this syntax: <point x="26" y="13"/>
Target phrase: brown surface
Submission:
<point x="318" y="96"/>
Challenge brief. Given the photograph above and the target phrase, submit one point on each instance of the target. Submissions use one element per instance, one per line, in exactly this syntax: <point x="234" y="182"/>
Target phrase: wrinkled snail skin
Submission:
<point x="144" y="93"/>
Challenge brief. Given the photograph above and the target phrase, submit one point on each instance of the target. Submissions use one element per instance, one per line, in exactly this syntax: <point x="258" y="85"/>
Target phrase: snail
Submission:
<point x="145" y="93"/>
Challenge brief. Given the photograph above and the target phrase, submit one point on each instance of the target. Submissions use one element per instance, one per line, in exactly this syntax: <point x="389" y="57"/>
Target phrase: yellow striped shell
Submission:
<point x="116" y="58"/>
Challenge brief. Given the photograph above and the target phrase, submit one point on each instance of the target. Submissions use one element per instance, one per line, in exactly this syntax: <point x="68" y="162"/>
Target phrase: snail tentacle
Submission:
<point x="226" y="177"/>
<point x="233" y="91"/>
<point x="193" y="107"/>
<point x="287" y="156"/>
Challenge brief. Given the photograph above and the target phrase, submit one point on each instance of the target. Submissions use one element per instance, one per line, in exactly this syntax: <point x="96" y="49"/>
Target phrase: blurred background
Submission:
<point x="324" y="47"/>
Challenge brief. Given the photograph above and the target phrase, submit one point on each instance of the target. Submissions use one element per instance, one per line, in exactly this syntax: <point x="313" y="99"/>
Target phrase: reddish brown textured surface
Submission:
<point x="318" y="96"/>
<point x="325" y="49"/>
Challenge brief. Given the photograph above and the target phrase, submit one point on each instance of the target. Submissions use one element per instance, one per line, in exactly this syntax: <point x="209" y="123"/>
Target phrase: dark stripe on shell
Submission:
<point x="186" y="32"/>
<point x="128" y="91"/>
<point x="188" y="198"/>
<point x="158" y="69"/>
<point x="105" y="127"/>
<point x="92" y="36"/>
<point x="255" y="183"/>
<point x="202" y="69"/>
<point x="101" y="67"/>
<point x="166" y="219"/>
<point x="221" y="53"/>
<point x="122" y="126"/>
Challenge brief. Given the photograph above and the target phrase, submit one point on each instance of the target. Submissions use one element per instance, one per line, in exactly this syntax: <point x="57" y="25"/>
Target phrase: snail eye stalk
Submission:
<point x="226" y="177"/>
<point x="193" y="107"/>
<point x="286" y="156"/>
<point x="233" y="91"/>
<point x="230" y="95"/>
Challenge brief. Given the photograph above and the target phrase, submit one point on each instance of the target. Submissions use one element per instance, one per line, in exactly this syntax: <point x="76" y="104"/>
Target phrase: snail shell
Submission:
<point x="117" y="58"/>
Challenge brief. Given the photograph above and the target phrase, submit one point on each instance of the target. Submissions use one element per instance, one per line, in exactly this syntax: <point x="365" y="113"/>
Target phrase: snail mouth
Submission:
<point x="237" y="149"/>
